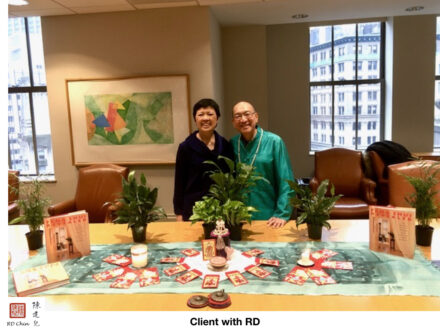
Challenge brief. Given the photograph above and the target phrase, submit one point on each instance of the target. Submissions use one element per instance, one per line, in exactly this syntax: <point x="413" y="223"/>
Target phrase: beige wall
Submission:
<point x="288" y="76"/>
<point x="244" y="71"/>
<point x="413" y="81"/>
<point x="150" y="42"/>
<point x="217" y="65"/>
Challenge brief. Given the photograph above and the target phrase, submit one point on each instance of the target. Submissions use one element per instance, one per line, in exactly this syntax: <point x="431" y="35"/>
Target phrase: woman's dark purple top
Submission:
<point x="191" y="182"/>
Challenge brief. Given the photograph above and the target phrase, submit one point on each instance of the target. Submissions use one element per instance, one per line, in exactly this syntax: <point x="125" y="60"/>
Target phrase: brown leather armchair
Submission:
<point x="399" y="187"/>
<point x="13" y="182"/>
<point x="97" y="185"/>
<point x="343" y="168"/>
<point x="379" y="169"/>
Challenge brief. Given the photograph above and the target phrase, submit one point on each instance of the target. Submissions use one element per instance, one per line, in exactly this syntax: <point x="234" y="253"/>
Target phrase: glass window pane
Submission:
<point x="18" y="66"/>
<point x="321" y="117"/>
<point x="344" y="117"/>
<point x="344" y="53"/>
<point x="369" y="119"/>
<point x="437" y="90"/>
<point x="320" y="53"/>
<point x="21" y="145"/>
<point x="36" y="44"/>
<point x="42" y="129"/>
<point x="369" y="50"/>
<point x="437" y="52"/>
<point x="437" y="115"/>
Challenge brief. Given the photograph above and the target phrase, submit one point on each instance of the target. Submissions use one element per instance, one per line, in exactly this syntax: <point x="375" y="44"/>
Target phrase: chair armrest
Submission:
<point x="314" y="183"/>
<point x="368" y="187"/>
<point x="62" y="207"/>
<point x="110" y="213"/>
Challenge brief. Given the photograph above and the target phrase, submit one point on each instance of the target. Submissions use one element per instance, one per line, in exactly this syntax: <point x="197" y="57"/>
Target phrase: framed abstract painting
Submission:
<point x="130" y="120"/>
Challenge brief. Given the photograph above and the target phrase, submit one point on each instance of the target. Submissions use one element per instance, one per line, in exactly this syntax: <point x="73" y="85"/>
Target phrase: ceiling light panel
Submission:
<point x="223" y="2"/>
<point x="103" y="9"/>
<point x="144" y="4"/>
<point x="87" y="3"/>
<point x="38" y="5"/>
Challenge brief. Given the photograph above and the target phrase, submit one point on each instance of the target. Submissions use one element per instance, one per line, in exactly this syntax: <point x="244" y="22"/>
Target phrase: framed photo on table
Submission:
<point x="129" y="120"/>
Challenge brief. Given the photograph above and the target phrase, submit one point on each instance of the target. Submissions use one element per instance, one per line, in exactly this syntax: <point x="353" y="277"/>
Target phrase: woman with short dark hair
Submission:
<point x="191" y="181"/>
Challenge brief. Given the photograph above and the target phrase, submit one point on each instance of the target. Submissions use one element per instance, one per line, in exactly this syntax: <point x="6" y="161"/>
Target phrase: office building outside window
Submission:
<point x="347" y="83"/>
<point x="437" y="90"/>
<point x="29" y="136"/>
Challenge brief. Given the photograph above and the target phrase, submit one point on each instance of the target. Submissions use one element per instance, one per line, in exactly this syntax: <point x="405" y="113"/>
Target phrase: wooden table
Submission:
<point x="160" y="232"/>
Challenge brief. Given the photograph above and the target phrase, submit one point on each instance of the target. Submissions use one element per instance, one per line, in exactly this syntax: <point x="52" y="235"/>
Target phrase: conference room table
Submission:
<point x="164" y="232"/>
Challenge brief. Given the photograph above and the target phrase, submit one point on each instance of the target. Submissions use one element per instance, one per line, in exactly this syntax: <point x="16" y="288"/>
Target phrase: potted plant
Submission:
<point x="314" y="209"/>
<point x="227" y="196"/>
<point x="137" y="206"/>
<point x="234" y="213"/>
<point x="32" y="205"/>
<point x="422" y="199"/>
<point x="231" y="188"/>
<point x="208" y="210"/>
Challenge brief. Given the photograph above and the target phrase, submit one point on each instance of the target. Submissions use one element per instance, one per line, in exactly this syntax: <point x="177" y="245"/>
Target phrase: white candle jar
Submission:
<point x="139" y="255"/>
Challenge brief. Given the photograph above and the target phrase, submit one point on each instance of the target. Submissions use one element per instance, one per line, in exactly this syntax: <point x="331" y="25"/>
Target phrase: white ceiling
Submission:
<point x="240" y="12"/>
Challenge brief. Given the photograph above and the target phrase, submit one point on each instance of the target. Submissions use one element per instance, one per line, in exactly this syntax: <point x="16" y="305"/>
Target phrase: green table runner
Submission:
<point x="373" y="273"/>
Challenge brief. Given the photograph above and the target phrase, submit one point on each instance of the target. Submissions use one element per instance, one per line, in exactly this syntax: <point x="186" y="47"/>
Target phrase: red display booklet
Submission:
<point x="67" y="236"/>
<point x="392" y="230"/>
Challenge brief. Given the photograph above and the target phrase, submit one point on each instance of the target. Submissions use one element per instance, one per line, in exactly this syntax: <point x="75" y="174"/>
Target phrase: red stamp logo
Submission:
<point x="17" y="310"/>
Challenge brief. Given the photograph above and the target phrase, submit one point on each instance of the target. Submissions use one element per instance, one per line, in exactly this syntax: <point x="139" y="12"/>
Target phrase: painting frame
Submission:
<point x="83" y="153"/>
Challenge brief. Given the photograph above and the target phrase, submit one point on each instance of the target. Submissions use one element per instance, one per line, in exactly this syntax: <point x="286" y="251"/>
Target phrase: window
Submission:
<point x="322" y="70"/>
<point x="372" y="95"/>
<point x="28" y="111"/>
<point x="356" y="139"/>
<point x="371" y="139"/>
<point x="341" y="67"/>
<point x="372" y="65"/>
<point x="371" y="125"/>
<point x="373" y="49"/>
<point x="322" y="124"/>
<point x="372" y="109"/>
<point x="437" y="90"/>
<point x="359" y="66"/>
<point x="355" y="79"/>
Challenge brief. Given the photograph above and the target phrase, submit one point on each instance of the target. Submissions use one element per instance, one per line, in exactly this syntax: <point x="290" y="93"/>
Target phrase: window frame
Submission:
<point x="29" y="90"/>
<point x="357" y="82"/>
<point x="436" y="81"/>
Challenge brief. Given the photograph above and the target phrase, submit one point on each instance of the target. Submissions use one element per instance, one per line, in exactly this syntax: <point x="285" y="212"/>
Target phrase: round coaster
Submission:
<point x="197" y="301"/>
